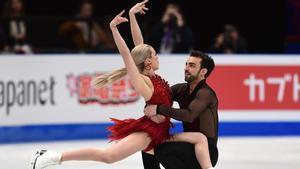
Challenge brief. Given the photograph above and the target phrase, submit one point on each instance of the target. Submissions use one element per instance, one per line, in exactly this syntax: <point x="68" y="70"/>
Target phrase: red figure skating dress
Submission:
<point x="158" y="132"/>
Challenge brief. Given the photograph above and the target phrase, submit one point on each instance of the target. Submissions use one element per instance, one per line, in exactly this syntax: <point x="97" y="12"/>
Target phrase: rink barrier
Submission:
<point x="259" y="95"/>
<point x="34" y="133"/>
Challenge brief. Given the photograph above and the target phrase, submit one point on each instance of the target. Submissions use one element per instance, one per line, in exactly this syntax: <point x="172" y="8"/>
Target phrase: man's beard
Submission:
<point x="191" y="77"/>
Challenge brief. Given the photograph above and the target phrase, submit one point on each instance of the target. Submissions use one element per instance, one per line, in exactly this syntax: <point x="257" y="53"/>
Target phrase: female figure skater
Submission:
<point x="132" y="135"/>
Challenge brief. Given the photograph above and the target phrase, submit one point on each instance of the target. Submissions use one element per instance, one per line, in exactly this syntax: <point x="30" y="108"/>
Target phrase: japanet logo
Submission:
<point x="27" y="93"/>
<point x="257" y="87"/>
<point x="119" y="92"/>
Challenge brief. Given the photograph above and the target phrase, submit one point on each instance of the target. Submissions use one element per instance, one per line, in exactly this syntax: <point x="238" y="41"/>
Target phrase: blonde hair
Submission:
<point x="139" y="54"/>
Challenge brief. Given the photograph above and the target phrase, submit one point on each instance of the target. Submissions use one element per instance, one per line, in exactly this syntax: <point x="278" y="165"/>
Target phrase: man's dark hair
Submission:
<point x="207" y="62"/>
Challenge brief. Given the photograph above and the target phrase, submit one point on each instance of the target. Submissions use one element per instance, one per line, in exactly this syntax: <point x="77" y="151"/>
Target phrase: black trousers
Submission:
<point x="177" y="155"/>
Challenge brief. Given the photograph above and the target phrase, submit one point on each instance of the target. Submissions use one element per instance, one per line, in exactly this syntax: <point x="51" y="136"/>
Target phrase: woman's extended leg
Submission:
<point x="115" y="152"/>
<point x="201" y="146"/>
<point x="127" y="146"/>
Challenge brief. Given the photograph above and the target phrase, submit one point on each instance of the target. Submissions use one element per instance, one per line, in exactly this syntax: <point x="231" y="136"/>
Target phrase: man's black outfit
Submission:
<point x="199" y="113"/>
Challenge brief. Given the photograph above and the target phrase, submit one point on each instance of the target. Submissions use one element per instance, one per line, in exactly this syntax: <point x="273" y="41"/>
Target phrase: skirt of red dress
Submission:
<point x="158" y="132"/>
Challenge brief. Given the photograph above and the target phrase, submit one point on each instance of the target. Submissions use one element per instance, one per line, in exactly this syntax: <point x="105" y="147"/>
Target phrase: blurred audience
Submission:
<point x="171" y="34"/>
<point x="15" y="28"/>
<point x="85" y="34"/>
<point x="1" y="39"/>
<point x="229" y="41"/>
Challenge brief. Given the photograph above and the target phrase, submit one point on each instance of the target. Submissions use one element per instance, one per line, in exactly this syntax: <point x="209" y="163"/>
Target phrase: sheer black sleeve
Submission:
<point x="203" y="99"/>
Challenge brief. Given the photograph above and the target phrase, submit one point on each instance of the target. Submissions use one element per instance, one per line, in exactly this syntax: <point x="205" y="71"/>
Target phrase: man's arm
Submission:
<point x="196" y="107"/>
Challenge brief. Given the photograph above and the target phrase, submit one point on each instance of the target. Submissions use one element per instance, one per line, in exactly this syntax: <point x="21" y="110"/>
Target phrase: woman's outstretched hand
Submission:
<point x="139" y="7"/>
<point x="118" y="20"/>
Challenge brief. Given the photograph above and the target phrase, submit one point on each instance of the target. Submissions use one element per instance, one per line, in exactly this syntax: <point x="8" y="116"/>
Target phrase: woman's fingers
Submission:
<point x="142" y="10"/>
<point x="142" y="7"/>
<point x="121" y="13"/>
<point x="123" y="19"/>
<point x="145" y="1"/>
